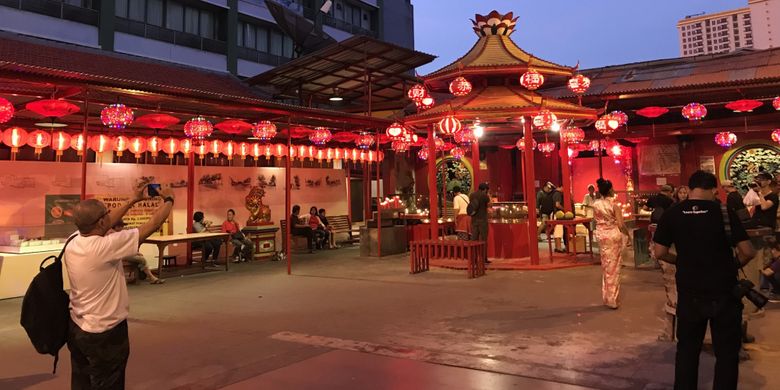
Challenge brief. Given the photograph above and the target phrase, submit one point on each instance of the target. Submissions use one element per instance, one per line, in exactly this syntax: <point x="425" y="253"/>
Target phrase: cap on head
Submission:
<point x="666" y="188"/>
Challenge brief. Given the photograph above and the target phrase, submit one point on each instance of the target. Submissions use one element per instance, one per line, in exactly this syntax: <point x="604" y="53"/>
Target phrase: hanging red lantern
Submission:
<point x="417" y="92"/>
<point x="101" y="143"/>
<point x="744" y="105"/>
<point x="264" y="131"/>
<point x="531" y="80"/>
<point x="78" y="143"/>
<point x="422" y="154"/>
<point x="520" y="145"/>
<point x="186" y="147"/>
<point x="776" y="103"/>
<point x="52" y="108"/>
<point x="198" y="128"/>
<point x="426" y="103"/>
<point x="229" y="149"/>
<point x="38" y="139"/>
<point x="725" y="139"/>
<point x="137" y="146"/>
<point x="120" y="144"/>
<point x="579" y="84"/>
<point x="544" y="119"/>
<point x="156" y="121"/>
<point x="776" y="135"/>
<point x="460" y="86"/>
<point x="457" y="153"/>
<point x="15" y="138"/>
<point x="607" y="124"/>
<point x="60" y="141"/>
<point x="547" y="148"/>
<point x="694" y="112"/>
<point x="395" y="130"/>
<point x="201" y="150"/>
<point x="116" y="116"/>
<point x="465" y="138"/>
<point x="6" y="110"/>
<point x="243" y="149"/>
<point x="233" y="126"/>
<point x="652" y="112"/>
<point x="616" y="151"/>
<point x="400" y="146"/>
<point x="257" y="151"/>
<point x="572" y="135"/>
<point x="215" y="147"/>
<point x="320" y="136"/>
<point x="450" y="125"/>
<point x="154" y="145"/>
<point x="621" y="117"/>
<point x="170" y="146"/>
<point x="439" y="143"/>
<point x="364" y="141"/>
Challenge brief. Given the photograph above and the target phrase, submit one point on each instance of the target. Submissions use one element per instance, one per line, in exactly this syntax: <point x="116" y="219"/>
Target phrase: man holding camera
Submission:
<point x="704" y="236"/>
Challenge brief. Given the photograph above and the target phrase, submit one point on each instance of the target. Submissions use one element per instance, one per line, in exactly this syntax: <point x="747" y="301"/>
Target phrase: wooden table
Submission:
<point x="163" y="241"/>
<point x="569" y="228"/>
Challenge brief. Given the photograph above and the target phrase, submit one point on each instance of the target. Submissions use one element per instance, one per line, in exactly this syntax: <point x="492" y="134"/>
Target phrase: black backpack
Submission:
<point x="45" y="311"/>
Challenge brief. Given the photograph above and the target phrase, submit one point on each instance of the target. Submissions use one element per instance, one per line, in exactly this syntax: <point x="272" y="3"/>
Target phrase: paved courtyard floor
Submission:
<point x="345" y="322"/>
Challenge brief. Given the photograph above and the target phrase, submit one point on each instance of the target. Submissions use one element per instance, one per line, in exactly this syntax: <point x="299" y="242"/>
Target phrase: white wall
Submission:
<point x="131" y="44"/>
<point x="43" y="26"/>
<point x="765" y="20"/>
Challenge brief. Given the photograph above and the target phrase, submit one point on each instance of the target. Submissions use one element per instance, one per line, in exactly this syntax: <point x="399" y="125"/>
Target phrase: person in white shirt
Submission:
<point x="590" y="197"/>
<point x="751" y="198"/>
<point x="462" y="219"/>
<point x="99" y="305"/>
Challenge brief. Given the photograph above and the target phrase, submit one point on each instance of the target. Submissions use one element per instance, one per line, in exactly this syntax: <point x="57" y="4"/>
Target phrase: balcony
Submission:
<point x="56" y="9"/>
<point x="260" y="57"/>
<point x="171" y="36"/>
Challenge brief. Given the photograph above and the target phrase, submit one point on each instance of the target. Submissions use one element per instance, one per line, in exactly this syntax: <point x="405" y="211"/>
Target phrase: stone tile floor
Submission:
<point x="341" y="321"/>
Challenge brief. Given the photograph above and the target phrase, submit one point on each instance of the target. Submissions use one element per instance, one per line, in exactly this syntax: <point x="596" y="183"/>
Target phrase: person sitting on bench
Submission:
<point x="241" y="244"/>
<point x="318" y="228"/>
<point x="299" y="227"/>
<point x="332" y="237"/>
<point x="199" y="225"/>
<point x="138" y="260"/>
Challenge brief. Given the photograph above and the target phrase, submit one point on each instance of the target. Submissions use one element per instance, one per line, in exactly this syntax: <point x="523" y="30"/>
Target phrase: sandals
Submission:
<point x="157" y="281"/>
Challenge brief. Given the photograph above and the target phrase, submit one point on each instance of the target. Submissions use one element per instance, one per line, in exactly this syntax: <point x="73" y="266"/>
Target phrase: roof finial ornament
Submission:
<point x="494" y="24"/>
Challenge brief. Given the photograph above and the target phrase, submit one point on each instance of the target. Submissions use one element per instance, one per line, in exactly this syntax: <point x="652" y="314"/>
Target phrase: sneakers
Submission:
<point x="774" y="297"/>
<point x="237" y="259"/>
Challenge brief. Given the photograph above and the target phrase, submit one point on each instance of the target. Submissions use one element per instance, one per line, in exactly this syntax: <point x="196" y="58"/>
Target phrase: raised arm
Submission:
<point x="159" y="216"/>
<point x="118" y="213"/>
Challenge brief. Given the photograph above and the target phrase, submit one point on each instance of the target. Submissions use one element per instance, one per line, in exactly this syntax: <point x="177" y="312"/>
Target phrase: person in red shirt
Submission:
<point x="321" y="233"/>
<point x="241" y="244"/>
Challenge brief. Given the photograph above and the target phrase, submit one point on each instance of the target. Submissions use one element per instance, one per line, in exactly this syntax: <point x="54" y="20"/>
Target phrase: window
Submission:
<point x="207" y="25"/>
<point x="121" y="8"/>
<point x="276" y="43"/>
<point x="175" y="16"/>
<point x="136" y="10"/>
<point x="262" y="39"/>
<point x="191" y="20"/>
<point x="154" y="12"/>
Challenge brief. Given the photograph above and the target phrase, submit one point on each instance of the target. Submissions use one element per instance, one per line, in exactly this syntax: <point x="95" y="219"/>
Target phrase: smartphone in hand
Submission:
<point x="153" y="189"/>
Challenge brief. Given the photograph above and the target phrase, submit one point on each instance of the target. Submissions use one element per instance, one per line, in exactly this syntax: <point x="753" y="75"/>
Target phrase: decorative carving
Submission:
<point x="259" y="214"/>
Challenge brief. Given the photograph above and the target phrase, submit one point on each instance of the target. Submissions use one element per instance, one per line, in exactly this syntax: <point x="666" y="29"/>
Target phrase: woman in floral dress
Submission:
<point x="610" y="231"/>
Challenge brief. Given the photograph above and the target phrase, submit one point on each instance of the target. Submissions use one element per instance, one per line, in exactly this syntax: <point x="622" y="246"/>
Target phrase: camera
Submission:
<point x="745" y="289"/>
<point x="153" y="189"/>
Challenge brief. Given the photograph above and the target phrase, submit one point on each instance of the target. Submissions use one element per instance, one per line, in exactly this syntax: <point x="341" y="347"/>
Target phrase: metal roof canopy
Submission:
<point x="342" y="68"/>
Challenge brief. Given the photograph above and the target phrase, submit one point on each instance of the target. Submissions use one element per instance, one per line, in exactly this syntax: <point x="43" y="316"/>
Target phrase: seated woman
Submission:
<point x="138" y="260"/>
<point x="299" y="227"/>
<point x="240" y="243"/>
<point x="321" y="233"/>
<point x="199" y="225"/>
<point x="332" y="237"/>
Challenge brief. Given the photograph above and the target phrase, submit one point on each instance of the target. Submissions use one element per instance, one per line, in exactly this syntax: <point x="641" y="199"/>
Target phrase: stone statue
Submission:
<point x="259" y="214"/>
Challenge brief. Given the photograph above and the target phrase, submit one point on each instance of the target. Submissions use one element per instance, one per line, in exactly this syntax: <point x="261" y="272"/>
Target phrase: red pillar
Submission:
<point x="85" y="151"/>
<point x="349" y="190"/>
<point x="475" y="164"/>
<point x="190" y="201"/>
<point x="565" y="175"/>
<point x="366" y="192"/>
<point x="288" y="203"/>
<point x="378" y="201"/>
<point x="530" y="191"/>
<point x="433" y="197"/>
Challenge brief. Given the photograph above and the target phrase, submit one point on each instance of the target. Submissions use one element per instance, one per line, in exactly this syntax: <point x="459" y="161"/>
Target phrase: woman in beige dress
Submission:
<point x="610" y="231"/>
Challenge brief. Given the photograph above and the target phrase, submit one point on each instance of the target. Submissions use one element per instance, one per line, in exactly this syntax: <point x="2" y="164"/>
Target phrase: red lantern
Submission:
<point x="615" y="151"/>
<point x="154" y="145"/>
<point x="116" y="116"/>
<point x="544" y="119"/>
<point x="364" y="141"/>
<point x="233" y="126"/>
<point x="725" y="139"/>
<point x="101" y="143"/>
<point x="776" y="136"/>
<point x="596" y="145"/>
<point x="229" y="149"/>
<point x="460" y="87"/>
<point x="439" y="143"/>
<point x="137" y="146"/>
<point x="521" y="144"/>
<point x="531" y="80"/>
<point x="572" y="135"/>
<point x="120" y="145"/>
<point x="52" y="108"/>
<point x="215" y="147"/>
<point x="78" y="143"/>
<point x="202" y="150"/>
<point x="156" y="121"/>
<point x="450" y="125"/>
<point x="400" y="146"/>
<point x="320" y="136"/>
<point x="621" y="117"/>
<point x="607" y="124"/>
<point x="579" y="84"/>
<point x="6" y="110"/>
<point x="257" y="151"/>
<point x="426" y="102"/>
<point x="422" y="154"/>
<point x="198" y="128"/>
<point x="186" y="147"/>
<point x="243" y="149"/>
<point x="694" y="111"/>
<point x="14" y="137"/>
<point x="457" y="153"/>
<point x="652" y="112"/>
<point x="744" y="105"/>
<point x="465" y="138"/>
<point x="395" y="130"/>
<point x="547" y="148"/>
<point x="776" y="103"/>
<point x="60" y="141"/>
<point x="170" y="146"/>
<point x="39" y="139"/>
<point x="264" y="131"/>
<point x="417" y="92"/>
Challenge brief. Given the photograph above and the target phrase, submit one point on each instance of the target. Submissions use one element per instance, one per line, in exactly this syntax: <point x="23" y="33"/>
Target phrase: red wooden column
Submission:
<point x="190" y="201"/>
<point x="349" y="190"/>
<point x="475" y="163"/>
<point x="433" y="197"/>
<point x="288" y="202"/>
<point x="85" y="152"/>
<point x="366" y="192"/>
<point x="530" y="191"/>
<point x="378" y="200"/>
<point x="565" y="174"/>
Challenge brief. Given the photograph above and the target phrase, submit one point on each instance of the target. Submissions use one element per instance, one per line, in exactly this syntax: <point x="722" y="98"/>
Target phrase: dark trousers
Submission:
<point x="304" y="232"/>
<point x="209" y="247"/>
<point x="479" y="232"/>
<point x="98" y="360"/>
<point x="724" y="315"/>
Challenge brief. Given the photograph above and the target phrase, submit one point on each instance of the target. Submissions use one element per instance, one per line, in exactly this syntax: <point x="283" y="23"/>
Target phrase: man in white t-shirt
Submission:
<point x="97" y="335"/>
<point x="460" y="203"/>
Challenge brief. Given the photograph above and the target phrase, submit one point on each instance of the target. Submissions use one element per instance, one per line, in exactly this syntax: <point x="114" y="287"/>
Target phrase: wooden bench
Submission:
<point x="473" y="252"/>
<point x="298" y="243"/>
<point x="342" y="224"/>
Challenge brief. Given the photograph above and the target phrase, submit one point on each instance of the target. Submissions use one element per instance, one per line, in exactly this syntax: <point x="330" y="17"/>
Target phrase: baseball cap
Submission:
<point x="666" y="188"/>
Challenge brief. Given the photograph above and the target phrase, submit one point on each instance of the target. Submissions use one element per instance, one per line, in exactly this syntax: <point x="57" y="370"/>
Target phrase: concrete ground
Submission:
<point x="343" y="322"/>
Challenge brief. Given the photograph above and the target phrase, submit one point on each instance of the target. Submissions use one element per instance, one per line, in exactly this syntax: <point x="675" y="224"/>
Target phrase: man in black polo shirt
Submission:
<point x="706" y="277"/>
<point x="765" y="213"/>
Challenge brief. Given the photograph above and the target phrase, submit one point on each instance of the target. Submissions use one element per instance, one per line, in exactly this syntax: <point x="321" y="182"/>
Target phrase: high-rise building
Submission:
<point x="722" y="32"/>
<point x="236" y="36"/>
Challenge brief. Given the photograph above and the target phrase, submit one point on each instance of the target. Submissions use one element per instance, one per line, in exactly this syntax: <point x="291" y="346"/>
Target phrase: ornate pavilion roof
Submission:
<point x="496" y="53"/>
